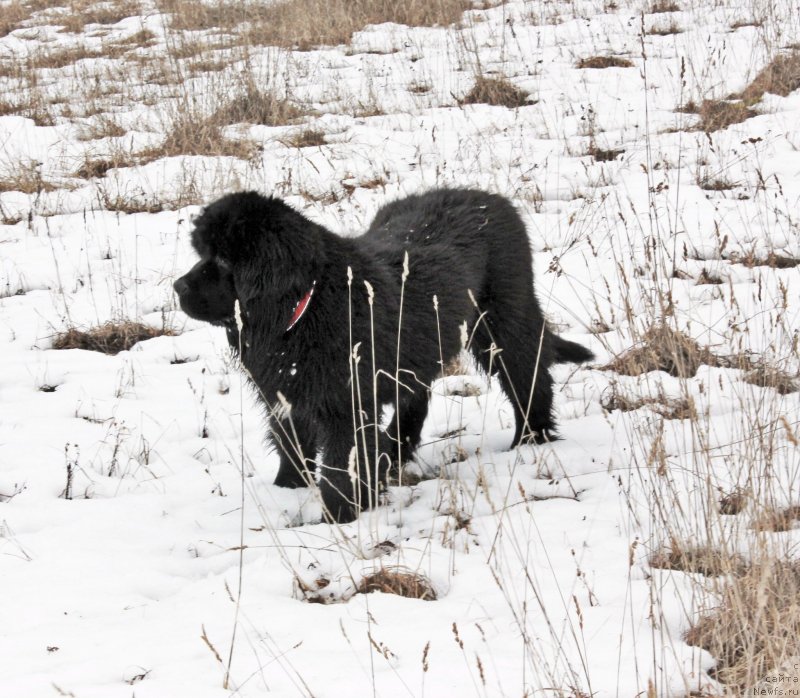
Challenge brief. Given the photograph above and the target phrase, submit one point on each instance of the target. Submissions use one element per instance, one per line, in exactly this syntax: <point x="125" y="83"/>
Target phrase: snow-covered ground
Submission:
<point x="539" y="557"/>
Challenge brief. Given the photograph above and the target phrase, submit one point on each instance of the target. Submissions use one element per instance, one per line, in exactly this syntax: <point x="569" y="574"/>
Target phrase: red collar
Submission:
<point x="301" y="307"/>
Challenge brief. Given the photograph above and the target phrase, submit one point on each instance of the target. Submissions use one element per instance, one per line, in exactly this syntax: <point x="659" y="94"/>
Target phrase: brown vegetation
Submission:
<point x="397" y="581"/>
<point x="664" y="349"/>
<point x="498" y="92"/>
<point x="110" y="338"/>
<point x="600" y="62"/>
<point x="755" y="627"/>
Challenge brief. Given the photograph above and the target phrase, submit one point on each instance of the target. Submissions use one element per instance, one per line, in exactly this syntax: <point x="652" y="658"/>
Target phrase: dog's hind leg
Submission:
<point x="411" y="415"/>
<point x="512" y="342"/>
<point x="297" y="448"/>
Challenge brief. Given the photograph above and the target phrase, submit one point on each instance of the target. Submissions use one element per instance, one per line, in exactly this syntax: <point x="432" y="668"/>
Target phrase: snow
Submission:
<point x="539" y="556"/>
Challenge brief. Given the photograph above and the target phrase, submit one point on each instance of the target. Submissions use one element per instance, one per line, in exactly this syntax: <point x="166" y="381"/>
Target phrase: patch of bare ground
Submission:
<point x="707" y="277"/>
<point x="754" y="629"/>
<point x="711" y="183"/>
<point x="84" y="12"/>
<point x="668" y="408"/>
<point x="94" y="166"/>
<point x="772" y="260"/>
<point x="25" y="177"/>
<point x="141" y="202"/>
<point x="718" y="114"/>
<point x="766" y="376"/>
<point x="733" y="503"/>
<point x="141" y="39"/>
<point x="12" y="16"/>
<point x="420" y="88"/>
<point x="781" y="76"/>
<point x="110" y="338"/>
<point x="253" y="105"/>
<point x="665" y="29"/>
<point x="189" y="131"/>
<point x="600" y="62"/>
<point x="304" y="24"/>
<point x="663" y="348"/>
<point x="400" y="582"/>
<point x="739" y="23"/>
<point x="305" y="138"/>
<point x="497" y="92"/>
<point x="55" y="58"/>
<point x="604" y="154"/>
<point x="102" y="126"/>
<point x="778" y="520"/>
<point x="705" y="560"/>
<point x="662" y="6"/>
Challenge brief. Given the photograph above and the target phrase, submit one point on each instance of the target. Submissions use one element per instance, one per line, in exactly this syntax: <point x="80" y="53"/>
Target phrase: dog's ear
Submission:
<point x="283" y="260"/>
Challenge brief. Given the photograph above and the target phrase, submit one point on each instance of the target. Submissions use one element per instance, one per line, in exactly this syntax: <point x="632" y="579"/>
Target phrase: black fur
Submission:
<point x="267" y="255"/>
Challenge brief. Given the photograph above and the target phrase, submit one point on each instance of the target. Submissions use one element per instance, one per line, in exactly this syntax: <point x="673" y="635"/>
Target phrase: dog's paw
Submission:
<point x="290" y="477"/>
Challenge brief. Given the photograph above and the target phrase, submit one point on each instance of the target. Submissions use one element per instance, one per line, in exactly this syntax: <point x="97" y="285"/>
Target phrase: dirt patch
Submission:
<point x="398" y="581"/>
<point x="664" y="349"/>
<point x="497" y="92"/>
<point x="110" y="338"/>
<point x="755" y="627"/>
<point x="600" y="62"/>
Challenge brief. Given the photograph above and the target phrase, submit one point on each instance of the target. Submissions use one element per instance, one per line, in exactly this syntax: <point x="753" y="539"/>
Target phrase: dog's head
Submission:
<point x="251" y="248"/>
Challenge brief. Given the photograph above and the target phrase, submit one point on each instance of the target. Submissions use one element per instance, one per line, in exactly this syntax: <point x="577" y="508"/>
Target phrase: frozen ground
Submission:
<point x="539" y="557"/>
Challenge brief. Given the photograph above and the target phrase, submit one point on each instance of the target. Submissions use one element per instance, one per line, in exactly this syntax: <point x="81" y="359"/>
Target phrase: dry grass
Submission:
<point x="93" y="166"/>
<point x="665" y="29"/>
<point x="253" y="105"/>
<point x="111" y="338"/>
<point x="53" y="59"/>
<point x="778" y="520"/>
<point x="780" y="77"/>
<point x="25" y="177"/>
<point x="668" y="408"/>
<point x="664" y="349"/>
<point x="733" y="503"/>
<point x="34" y="108"/>
<point x="306" y="138"/>
<point x="420" y="88"/>
<point x="141" y="39"/>
<point x="189" y="131"/>
<point x="661" y="6"/>
<point x="717" y="114"/>
<point x="398" y="581"/>
<point x="604" y="154"/>
<point x="755" y="628"/>
<point x="141" y="202"/>
<point x="709" y="183"/>
<point x="704" y="560"/>
<point x="600" y="62"/>
<point x="83" y="12"/>
<point x="304" y="24"/>
<point x="765" y="376"/>
<point x="12" y="16"/>
<point x="772" y="260"/>
<point x="103" y="126"/>
<point x="498" y="92"/>
<point x="708" y="277"/>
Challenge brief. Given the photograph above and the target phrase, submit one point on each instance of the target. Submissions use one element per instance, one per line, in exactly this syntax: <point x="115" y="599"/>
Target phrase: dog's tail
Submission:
<point x="566" y="352"/>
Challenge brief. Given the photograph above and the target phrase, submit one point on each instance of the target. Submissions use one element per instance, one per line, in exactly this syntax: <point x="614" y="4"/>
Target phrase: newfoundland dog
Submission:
<point x="335" y="328"/>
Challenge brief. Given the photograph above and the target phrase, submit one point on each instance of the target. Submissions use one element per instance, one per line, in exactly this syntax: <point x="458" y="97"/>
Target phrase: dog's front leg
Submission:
<point x="339" y="480"/>
<point x="297" y="448"/>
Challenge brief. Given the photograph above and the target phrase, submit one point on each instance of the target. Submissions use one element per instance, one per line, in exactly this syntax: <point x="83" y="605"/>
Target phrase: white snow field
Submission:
<point x="169" y="566"/>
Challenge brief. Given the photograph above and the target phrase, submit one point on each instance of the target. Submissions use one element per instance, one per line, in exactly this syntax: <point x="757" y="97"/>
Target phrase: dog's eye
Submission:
<point x="223" y="264"/>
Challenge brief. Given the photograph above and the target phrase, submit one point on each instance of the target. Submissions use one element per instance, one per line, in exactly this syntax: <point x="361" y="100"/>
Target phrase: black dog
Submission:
<point x="338" y="327"/>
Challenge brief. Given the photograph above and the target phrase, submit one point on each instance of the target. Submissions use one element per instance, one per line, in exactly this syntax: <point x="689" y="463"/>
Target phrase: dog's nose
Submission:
<point x="180" y="286"/>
